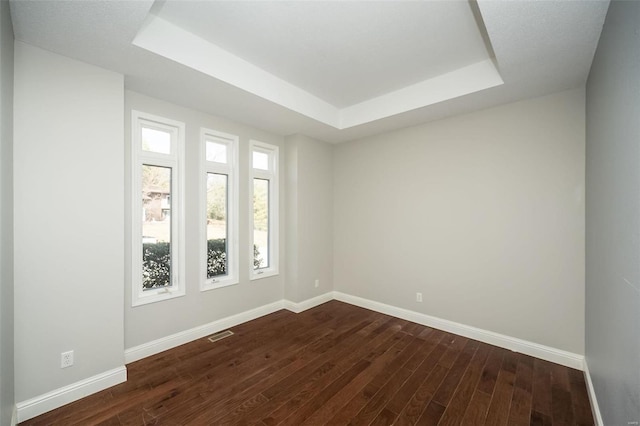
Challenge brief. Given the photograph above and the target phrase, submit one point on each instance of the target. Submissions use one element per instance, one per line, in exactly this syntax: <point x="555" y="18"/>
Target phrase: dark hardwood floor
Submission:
<point x="336" y="364"/>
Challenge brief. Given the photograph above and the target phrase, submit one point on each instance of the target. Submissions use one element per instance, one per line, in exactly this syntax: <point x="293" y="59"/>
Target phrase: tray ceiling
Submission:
<point x="334" y="70"/>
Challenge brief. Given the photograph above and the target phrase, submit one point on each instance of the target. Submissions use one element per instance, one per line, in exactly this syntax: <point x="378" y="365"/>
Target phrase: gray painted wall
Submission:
<point x="197" y="307"/>
<point x="7" y="399"/>
<point x="483" y="213"/>
<point x="68" y="223"/>
<point x="613" y="217"/>
<point x="309" y="188"/>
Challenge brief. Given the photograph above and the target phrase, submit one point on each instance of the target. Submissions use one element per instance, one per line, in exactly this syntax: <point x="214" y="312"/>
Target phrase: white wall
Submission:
<point x="68" y="224"/>
<point x="482" y="213"/>
<point x="7" y="400"/>
<point x="146" y="323"/>
<point x="309" y="187"/>
<point x="613" y="217"/>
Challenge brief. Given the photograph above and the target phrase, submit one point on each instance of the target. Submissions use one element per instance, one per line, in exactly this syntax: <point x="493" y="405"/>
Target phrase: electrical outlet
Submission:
<point x="66" y="359"/>
<point x="418" y="297"/>
<point x="317" y="284"/>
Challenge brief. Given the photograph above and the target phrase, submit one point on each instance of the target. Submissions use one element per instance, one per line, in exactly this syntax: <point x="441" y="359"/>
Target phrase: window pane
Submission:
<point x="156" y="141"/>
<point x="260" y="160"/>
<point x="260" y="223"/>
<point x="156" y="227"/>
<point x="217" y="208"/>
<point x="216" y="152"/>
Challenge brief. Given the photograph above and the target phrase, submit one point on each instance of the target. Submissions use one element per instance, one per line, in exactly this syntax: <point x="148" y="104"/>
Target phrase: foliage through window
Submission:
<point x="156" y="225"/>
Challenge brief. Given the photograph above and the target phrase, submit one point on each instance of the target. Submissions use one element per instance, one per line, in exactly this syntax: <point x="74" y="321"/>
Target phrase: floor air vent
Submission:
<point x="220" y="336"/>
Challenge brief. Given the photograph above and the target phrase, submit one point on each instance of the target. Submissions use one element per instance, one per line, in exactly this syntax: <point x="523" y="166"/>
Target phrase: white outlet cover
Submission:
<point x="66" y="359"/>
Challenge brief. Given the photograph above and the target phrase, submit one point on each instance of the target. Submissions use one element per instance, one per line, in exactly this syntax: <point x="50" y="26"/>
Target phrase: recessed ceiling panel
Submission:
<point x="341" y="52"/>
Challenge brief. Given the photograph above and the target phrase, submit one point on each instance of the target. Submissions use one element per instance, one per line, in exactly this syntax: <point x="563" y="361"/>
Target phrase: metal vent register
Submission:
<point x="220" y="336"/>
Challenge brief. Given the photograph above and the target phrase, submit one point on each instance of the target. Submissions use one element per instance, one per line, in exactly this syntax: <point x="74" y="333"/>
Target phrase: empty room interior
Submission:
<point x="320" y="212"/>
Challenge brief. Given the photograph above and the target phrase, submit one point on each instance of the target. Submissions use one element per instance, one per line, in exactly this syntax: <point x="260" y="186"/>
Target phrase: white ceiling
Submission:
<point x="333" y="70"/>
<point x="345" y="52"/>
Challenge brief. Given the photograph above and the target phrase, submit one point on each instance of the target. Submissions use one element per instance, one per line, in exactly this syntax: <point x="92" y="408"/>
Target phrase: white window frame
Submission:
<point x="274" y="235"/>
<point x="230" y="169"/>
<point x="175" y="161"/>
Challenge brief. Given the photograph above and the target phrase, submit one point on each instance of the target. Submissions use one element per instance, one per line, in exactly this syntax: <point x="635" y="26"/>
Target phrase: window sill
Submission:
<point x="208" y="285"/>
<point x="265" y="273"/>
<point x="157" y="296"/>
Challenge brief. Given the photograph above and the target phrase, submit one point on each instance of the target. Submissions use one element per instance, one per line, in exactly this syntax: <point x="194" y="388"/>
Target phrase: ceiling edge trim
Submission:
<point x="463" y="81"/>
<point x="168" y="40"/>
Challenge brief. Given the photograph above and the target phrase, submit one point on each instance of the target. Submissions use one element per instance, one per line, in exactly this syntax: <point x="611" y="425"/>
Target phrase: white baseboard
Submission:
<point x="14" y="416"/>
<point x="156" y="346"/>
<point x="547" y="353"/>
<point x="307" y="304"/>
<point x="595" y="409"/>
<point x="57" y="398"/>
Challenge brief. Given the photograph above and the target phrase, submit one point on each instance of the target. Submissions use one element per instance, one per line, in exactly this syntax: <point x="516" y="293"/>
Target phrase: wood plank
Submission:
<point x="376" y="404"/>
<point x="520" y="411"/>
<point x="539" y="419"/>
<point x="412" y="412"/>
<point x="561" y="405"/>
<point x="295" y="395"/>
<point x="385" y="418"/>
<point x="455" y="344"/>
<point x="316" y="401"/>
<point x="382" y="369"/>
<point x="498" y="413"/>
<point x="379" y="364"/>
<point x="491" y="370"/>
<point x="445" y="391"/>
<point x="476" y="412"/>
<point x="541" y="402"/>
<point x="430" y="354"/>
<point x="431" y="415"/>
<point x="455" y="411"/>
<point x="580" y="399"/>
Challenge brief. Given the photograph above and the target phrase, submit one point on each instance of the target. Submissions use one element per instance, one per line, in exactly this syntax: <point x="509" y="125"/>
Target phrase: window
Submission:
<point x="219" y="212"/>
<point x="263" y="189"/>
<point x="157" y="230"/>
